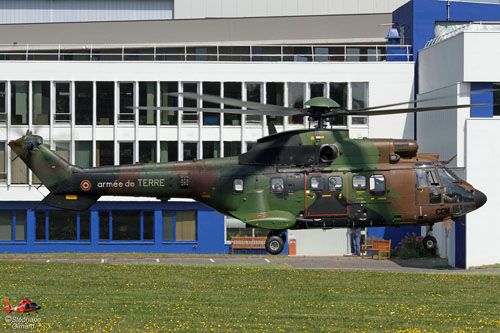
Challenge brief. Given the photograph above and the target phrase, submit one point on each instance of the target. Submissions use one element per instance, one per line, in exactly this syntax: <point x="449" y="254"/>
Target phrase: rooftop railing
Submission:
<point x="209" y="53"/>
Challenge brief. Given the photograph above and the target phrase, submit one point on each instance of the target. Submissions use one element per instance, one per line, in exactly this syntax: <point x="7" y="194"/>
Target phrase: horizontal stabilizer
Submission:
<point x="70" y="201"/>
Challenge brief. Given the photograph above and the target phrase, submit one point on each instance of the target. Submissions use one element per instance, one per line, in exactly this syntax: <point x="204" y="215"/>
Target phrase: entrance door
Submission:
<point x="429" y="192"/>
<point x="326" y="194"/>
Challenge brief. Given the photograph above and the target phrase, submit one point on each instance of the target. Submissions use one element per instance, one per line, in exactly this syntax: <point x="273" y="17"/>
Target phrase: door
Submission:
<point x="428" y="190"/>
<point x="326" y="194"/>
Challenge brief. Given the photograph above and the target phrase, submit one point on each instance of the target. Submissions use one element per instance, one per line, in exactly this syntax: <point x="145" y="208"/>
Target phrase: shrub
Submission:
<point x="412" y="246"/>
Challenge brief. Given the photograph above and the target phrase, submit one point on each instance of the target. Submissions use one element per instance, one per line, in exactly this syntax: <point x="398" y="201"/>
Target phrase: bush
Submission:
<point x="412" y="246"/>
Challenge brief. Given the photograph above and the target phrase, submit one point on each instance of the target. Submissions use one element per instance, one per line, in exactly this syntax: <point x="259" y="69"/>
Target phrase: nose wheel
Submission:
<point x="429" y="241"/>
<point x="275" y="242"/>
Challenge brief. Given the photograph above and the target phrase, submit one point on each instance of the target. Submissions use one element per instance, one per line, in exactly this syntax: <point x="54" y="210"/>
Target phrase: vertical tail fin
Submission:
<point x="7" y="306"/>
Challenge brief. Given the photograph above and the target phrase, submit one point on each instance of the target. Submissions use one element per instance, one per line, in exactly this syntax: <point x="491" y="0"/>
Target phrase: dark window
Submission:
<point x="3" y="116"/>
<point x="190" y="117"/>
<point x="85" y="225"/>
<point x="168" y="151"/>
<point x="126" y="153"/>
<point x="19" y="103"/>
<point x="277" y="185"/>
<point x="105" y="103"/>
<point x="40" y="221"/>
<point x="62" y="103"/>
<point x="83" y="154"/>
<point x="148" y="225"/>
<point x="254" y="95"/>
<point x="359" y="183"/>
<point x="296" y="100"/>
<point x="317" y="90"/>
<point x="41" y="103"/>
<point x="126" y="224"/>
<point x="275" y="96"/>
<point x="377" y="185"/>
<point x="335" y="183"/>
<point x="211" y="88"/>
<point x="147" y="151"/>
<point x="126" y="101"/>
<point x="105" y="153"/>
<point x="190" y="151"/>
<point x="168" y="117"/>
<point x="104" y="224"/>
<point x="83" y="103"/>
<point x="232" y="90"/>
<point x="168" y="225"/>
<point x="338" y="92"/>
<point x="6" y="221"/>
<point x="496" y="99"/>
<point x="62" y="225"/>
<point x="147" y="97"/>
<point x="211" y="149"/>
<point x="232" y="148"/>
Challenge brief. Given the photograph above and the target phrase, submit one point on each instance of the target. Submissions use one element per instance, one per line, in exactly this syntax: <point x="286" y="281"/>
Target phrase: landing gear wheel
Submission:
<point x="274" y="244"/>
<point x="429" y="243"/>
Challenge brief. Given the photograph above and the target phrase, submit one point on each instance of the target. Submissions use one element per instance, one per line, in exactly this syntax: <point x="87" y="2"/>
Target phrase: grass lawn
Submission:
<point x="102" y="297"/>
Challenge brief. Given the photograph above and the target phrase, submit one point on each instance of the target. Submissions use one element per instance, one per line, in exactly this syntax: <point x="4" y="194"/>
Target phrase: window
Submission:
<point x="447" y="176"/>
<point x="62" y="225"/>
<point x="126" y="101"/>
<point x="19" y="103"/>
<point x="105" y="153"/>
<point x="190" y="117"/>
<point x="296" y="100"/>
<point x="275" y="96"/>
<point x="377" y="185"/>
<point x="105" y="103"/>
<point x="62" y="114"/>
<point x="317" y="90"/>
<point x="168" y="151"/>
<point x="147" y="151"/>
<point x="338" y="92"/>
<point x="12" y="225"/>
<point x="41" y="103"/>
<point x="168" y="117"/>
<point x="421" y="178"/>
<point x="432" y="177"/>
<point x="277" y="185"/>
<point x="83" y="103"/>
<point x="3" y="116"/>
<point x="3" y="175"/>
<point x="104" y="225"/>
<point x="335" y="183"/>
<point x="232" y="90"/>
<point x="124" y="225"/>
<point x="168" y="225"/>
<point x="83" y="154"/>
<point x="211" y="118"/>
<point x="317" y="183"/>
<point x="254" y="95"/>
<point x="238" y="185"/>
<point x="185" y="225"/>
<point x="250" y="144"/>
<point x="147" y="97"/>
<point x="126" y="153"/>
<point x="211" y="149"/>
<point x="232" y="148"/>
<point x="496" y="99"/>
<point x="18" y="171"/>
<point x="359" y="183"/>
<point x="190" y="151"/>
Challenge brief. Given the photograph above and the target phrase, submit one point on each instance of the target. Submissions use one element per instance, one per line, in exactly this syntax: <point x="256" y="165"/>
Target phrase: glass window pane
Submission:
<point x="275" y="96"/>
<point x="211" y="88"/>
<point x="169" y="151"/>
<point x="19" y="103"/>
<point x="85" y="225"/>
<point x="377" y="185"/>
<point x="254" y="95"/>
<point x="83" y="103"/>
<point x="2" y="162"/>
<point x="190" y="151"/>
<point x="126" y="101"/>
<point x="338" y="92"/>
<point x="168" y="225"/>
<point x="18" y="172"/>
<point x="232" y="90"/>
<point x="105" y="153"/>
<point x="148" y="223"/>
<point x="317" y="183"/>
<point x="359" y="95"/>
<point x="190" y="117"/>
<point x="335" y="183"/>
<point x="169" y="117"/>
<point x="147" y="151"/>
<point x="147" y="97"/>
<point x="238" y="185"/>
<point x="126" y="224"/>
<point x="62" y="225"/>
<point x="21" y="225"/>
<point x="62" y="149"/>
<point x="83" y="154"/>
<point x="496" y="99"/>
<point x="5" y="225"/>
<point x="232" y="148"/>
<point x="126" y="153"/>
<point x="41" y="103"/>
<point x="211" y="149"/>
<point x="62" y="103"/>
<point x="40" y="217"/>
<point x="359" y="183"/>
<point x="276" y="185"/>
<point x="105" y="103"/>
<point x="185" y="225"/>
<point x="296" y="100"/>
<point x="317" y="90"/>
<point x="104" y="225"/>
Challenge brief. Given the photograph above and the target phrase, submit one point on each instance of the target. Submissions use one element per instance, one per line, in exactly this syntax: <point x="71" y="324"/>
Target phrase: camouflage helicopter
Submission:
<point x="300" y="179"/>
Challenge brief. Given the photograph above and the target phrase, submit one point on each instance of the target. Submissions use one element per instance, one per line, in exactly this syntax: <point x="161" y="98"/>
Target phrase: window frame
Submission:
<point x="336" y="186"/>
<point x="359" y="188"/>
<point x="373" y="187"/>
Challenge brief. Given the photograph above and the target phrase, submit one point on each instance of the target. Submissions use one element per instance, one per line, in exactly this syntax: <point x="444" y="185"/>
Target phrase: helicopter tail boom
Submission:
<point x="7" y="307"/>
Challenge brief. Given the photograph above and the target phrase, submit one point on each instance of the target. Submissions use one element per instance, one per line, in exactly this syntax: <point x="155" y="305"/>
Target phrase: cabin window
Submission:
<point x="317" y="183"/>
<point x="359" y="183"/>
<point x="377" y="185"/>
<point x="238" y="185"/>
<point x="421" y="178"/>
<point x="335" y="183"/>
<point x="432" y="177"/>
<point x="277" y="185"/>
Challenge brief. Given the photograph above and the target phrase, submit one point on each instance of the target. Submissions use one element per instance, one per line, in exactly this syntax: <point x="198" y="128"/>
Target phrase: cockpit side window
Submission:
<point x="432" y="177"/>
<point x="421" y="178"/>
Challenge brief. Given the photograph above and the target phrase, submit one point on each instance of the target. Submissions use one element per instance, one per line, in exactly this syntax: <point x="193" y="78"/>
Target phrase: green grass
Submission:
<point x="101" y="297"/>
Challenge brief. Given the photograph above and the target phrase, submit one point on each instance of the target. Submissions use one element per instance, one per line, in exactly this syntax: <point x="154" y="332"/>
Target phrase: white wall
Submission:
<point x="483" y="159"/>
<point x="318" y="242"/>
<point x="188" y="9"/>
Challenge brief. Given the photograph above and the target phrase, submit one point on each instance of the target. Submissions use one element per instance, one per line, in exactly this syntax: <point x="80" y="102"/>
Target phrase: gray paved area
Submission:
<point x="346" y="263"/>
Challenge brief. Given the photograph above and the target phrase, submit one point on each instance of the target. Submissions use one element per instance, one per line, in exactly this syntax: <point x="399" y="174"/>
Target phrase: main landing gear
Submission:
<point x="275" y="242"/>
<point x="429" y="241"/>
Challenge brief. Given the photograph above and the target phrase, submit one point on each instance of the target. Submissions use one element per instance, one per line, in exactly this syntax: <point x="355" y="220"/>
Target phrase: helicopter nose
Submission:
<point x="480" y="198"/>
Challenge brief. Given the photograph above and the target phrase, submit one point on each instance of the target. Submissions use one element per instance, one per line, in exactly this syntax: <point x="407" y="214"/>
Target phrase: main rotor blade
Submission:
<point x="423" y="100"/>
<point x="214" y="110"/>
<point x="408" y="110"/>
<point x="235" y="102"/>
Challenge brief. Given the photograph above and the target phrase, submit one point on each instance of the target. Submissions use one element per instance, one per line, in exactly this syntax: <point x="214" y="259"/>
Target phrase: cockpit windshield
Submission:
<point x="447" y="176"/>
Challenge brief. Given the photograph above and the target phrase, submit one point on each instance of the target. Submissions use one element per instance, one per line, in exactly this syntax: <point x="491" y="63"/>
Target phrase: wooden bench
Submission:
<point x="378" y="246"/>
<point x="248" y="243"/>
